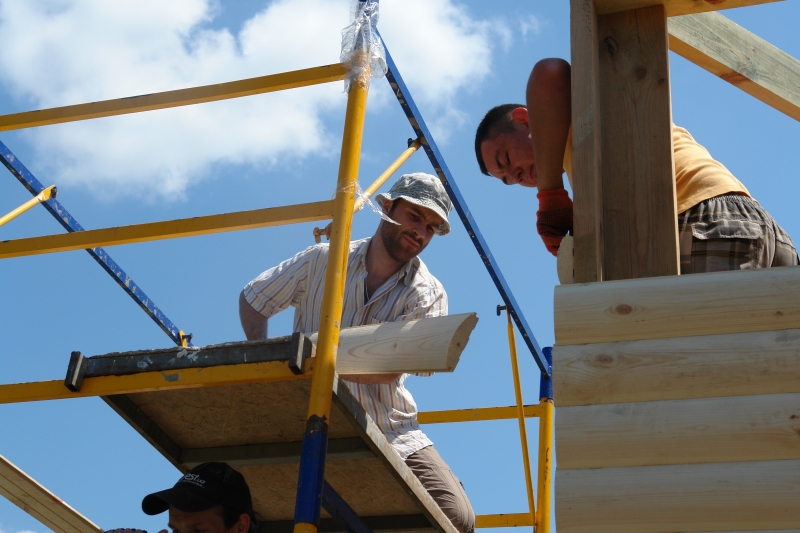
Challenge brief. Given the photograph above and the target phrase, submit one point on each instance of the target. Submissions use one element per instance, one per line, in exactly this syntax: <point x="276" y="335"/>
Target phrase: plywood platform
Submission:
<point x="258" y="429"/>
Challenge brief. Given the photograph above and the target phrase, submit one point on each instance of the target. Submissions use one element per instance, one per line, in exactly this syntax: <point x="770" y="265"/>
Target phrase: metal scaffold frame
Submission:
<point x="313" y="492"/>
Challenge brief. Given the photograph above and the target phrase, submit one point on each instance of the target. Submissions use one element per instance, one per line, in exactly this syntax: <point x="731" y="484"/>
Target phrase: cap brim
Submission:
<point x="182" y="499"/>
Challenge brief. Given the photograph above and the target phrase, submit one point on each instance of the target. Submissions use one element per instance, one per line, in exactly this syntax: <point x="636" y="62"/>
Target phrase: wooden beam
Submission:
<point x="181" y="97"/>
<point x="586" y="170"/>
<point x="706" y="430"/>
<point x="168" y="229"/>
<point x="707" y="497"/>
<point x="725" y="49"/>
<point x="678" y="306"/>
<point x="23" y="491"/>
<point x="273" y="453"/>
<point x="425" y="345"/>
<point x="640" y="233"/>
<point x="766" y="362"/>
<point x="674" y="8"/>
<point x="393" y="523"/>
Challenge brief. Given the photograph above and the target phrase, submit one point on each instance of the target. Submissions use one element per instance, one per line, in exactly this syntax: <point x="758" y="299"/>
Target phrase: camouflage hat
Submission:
<point x="423" y="190"/>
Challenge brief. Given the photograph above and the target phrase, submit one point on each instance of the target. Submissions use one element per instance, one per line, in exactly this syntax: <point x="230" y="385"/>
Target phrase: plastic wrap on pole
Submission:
<point x="362" y="50"/>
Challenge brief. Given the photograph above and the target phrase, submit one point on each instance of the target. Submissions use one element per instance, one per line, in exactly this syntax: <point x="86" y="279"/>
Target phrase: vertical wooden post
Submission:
<point x="640" y="236"/>
<point x="586" y="182"/>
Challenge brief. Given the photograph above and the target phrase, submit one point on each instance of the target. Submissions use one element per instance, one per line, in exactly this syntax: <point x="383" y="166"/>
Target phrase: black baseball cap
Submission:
<point x="205" y="486"/>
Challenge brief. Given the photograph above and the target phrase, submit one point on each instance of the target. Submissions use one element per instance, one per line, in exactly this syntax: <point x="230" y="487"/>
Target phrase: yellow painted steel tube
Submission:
<point x="169" y="229"/>
<point x="523" y="434"/>
<point x="503" y="520"/>
<point x="151" y="381"/>
<point x="43" y="196"/>
<point x="181" y="97"/>
<point x="477" y="414"/>
<point x="333" y="295"/>
<point x="545" y="484"/>
<point x="391" y="169"/>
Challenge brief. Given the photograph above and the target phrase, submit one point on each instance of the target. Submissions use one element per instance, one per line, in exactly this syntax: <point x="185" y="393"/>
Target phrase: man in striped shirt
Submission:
<point x="386" y="281"/>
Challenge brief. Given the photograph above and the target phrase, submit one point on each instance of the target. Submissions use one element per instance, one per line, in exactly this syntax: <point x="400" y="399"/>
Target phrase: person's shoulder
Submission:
<point x="424" y="277"/>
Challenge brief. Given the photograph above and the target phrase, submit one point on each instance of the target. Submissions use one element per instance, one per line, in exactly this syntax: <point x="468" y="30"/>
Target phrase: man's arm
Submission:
<point x="549" y="100"/>
<point x="254" y="323"/>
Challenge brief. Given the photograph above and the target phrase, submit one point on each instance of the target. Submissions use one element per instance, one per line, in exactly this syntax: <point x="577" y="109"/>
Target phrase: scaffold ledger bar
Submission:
<point x="177" y="98"/>
<point x="150" y="381"/>
<point x="169" y="229"/>
<point x="503" y="520"/>
<point x="474" y="415"/>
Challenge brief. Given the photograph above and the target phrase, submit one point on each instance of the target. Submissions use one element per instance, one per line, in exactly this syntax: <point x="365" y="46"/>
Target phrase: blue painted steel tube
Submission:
<point x="415" y="118"/>
<point x="341" y="511"/>
<point x="63" y="217"/>
<point x="546" y="383"/>
<point x="312" y="471"/>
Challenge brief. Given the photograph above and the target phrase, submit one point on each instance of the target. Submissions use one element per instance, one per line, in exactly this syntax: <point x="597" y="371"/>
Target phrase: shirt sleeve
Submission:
<point x="554" y="217"/>
<point x="280" y="286"/>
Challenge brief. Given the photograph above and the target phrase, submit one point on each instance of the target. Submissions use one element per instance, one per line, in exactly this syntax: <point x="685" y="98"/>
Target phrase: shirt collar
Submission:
<point x="406" y="272"/>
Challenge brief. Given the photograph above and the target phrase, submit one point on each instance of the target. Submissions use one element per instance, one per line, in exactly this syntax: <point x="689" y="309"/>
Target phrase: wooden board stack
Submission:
<point x="678" y="403"/>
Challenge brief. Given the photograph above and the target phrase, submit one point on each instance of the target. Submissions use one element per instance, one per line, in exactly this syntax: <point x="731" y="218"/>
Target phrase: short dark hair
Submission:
<point x="496" y="122"/>
<point x="231" y="516"/>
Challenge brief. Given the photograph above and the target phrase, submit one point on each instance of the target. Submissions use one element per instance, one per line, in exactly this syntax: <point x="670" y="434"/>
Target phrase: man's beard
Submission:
<point x="392" y="236"/>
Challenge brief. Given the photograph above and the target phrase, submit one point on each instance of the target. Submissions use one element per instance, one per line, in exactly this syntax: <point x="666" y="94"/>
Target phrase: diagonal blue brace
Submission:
<point x="415" y="118"/>
<point x="341" y="511"/>
<point x="58" y="211"/>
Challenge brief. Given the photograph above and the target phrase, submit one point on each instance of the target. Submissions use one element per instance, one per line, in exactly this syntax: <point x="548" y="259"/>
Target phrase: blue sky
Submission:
<point x="458" y="57"/>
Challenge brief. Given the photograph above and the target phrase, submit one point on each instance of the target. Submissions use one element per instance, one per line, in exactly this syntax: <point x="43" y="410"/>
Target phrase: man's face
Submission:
<point x="509" y="157"/>
<point x="417" y="227"/>
<point x="208" y="521"/>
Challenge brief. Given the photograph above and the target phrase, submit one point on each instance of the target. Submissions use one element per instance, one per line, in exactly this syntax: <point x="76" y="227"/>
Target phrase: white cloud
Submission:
<point x="60" y="52"/>
<point x="530" y="24"/>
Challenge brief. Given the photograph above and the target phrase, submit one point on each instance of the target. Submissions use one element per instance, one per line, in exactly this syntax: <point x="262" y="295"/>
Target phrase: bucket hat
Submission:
<point x="424" y="190"/>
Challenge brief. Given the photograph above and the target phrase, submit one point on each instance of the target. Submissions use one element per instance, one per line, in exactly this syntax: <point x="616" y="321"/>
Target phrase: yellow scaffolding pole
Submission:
<point x="43" y="196"/>
<point x="168" y="229"/>
<point x="478" y="414"/>
<point x="319" y="406"/>
<point x="151" y="381"/>
<point x="523" y="434"/>
<point x="167" y="99"/>
<point x="545" y="488"/>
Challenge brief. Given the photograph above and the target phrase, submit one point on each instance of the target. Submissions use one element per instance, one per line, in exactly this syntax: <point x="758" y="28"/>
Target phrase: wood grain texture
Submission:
<point x="640" y="232"/>
<point x="678" y="306"/>
<point x="766" y="362"/>
<point x="707" y="430"/>
<point x="425" y="345"/>
<point x="676" y="7"/>
<point x="722" y="47"/>
<point x="760" y="495"/>
<point x="24" y="492"/>
<point x="586" y="184"/>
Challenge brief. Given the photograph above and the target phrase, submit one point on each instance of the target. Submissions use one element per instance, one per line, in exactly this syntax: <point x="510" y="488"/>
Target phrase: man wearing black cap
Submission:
<point x="212" y="498"/>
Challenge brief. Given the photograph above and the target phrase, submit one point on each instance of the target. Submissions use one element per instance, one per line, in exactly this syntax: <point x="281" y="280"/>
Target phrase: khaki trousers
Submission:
<point x="444" y="487"/>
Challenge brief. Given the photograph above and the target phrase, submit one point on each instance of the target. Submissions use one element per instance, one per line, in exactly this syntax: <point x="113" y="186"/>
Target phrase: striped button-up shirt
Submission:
<point x="410" y="294"/>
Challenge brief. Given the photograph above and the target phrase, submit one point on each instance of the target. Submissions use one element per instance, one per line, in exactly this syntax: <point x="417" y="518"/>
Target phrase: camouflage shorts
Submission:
<point x="732" y="232"/>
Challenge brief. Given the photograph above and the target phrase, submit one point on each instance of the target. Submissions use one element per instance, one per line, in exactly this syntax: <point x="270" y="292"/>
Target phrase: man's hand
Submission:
<point x="370" y="379"/>
<point x="254" y="323"/>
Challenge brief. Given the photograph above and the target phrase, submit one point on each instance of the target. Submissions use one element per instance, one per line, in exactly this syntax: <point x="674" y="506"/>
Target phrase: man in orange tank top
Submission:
<point x="720" y="226"/>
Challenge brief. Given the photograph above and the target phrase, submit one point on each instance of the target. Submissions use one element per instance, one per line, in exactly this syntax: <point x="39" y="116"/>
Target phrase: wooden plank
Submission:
<point x="722" y="47"/>
<point x="766" y="362"/>
<point x="674" y="8"/>
<point x="425" y="345"/>
<point x="586" y="170"/>
<point x="393" y="523"/>
<point x="652" y="499"/>
<point x="273" y="453"/>
<point x="678" y="306"/>
<point x="640" y="232"/>
<point x="23" y="491"/>
<point x="707" y="430"/>
<point x="180" y="97"/>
